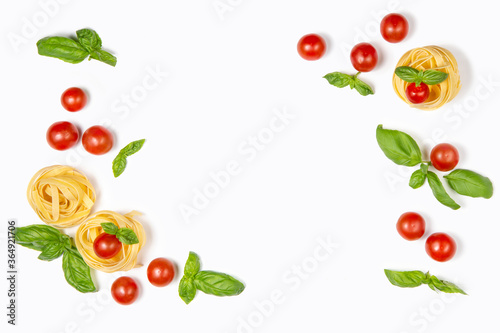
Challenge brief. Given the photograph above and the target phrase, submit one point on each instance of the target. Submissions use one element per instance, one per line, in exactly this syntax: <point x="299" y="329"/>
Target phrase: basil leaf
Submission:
<point x="51" y="251"/>
<point x="470" y="183"/>
<point x="408" y="279"/>
<point x="192" y="265"/>
<point x="109" y="228"/>
<point x="399" y="147"/>
<point x="76" y="272"/>
<point x="424" y="167"/>
<point x="406" y="73"/>
<point x="37" y="236"/>
<point x="432" y="77"/>
<point x="218" y="284"/>
<point x="363" y="88"/>
<point x="187" y="289"/>
<point x="339" y="80"/>
<point x="417" y="179"/>
<point x="120" y="161"/>
<point x="127" y="236"/>
<point x="62" y="48"/>
<point x="439" y="191"/>
<point x="103" y="56"/>
<point x="132" y="147"/>
<point x="89" y="39"/>
<point x="444" y="286"/>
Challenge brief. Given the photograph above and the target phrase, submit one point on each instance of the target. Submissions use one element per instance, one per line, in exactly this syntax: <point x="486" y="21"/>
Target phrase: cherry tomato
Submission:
<point x="73" y="99"/>
<point x="440" y="246"/>
<point x="364" y="57"/>
<point x="161" y="272"/>
<point x="311" y="47"/>
<point x="417" y="95"/>
<point x="97" y="140"/>
<point x="444" y="157"/>
<point x="411" y="226"/>
<point x="62" y="135"/>
<point x="125" y="290"/>
<point x="106" y="246"/>
<point x="394" y="28"/>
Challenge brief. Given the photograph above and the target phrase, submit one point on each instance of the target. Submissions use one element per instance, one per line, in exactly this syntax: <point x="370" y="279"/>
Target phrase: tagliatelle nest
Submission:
<point x="61" y="196"/>
<point x="89" y="230"/>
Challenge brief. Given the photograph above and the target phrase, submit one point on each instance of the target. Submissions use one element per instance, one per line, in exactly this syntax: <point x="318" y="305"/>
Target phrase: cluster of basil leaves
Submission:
<point x="120" y="161"/>
<point x="341" y="80"/>
<point x="400" y="148"/>
<point x="412" y="279"/>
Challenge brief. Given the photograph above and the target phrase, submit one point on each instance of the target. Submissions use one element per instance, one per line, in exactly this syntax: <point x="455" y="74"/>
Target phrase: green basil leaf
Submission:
<point x="405" y="279"/>
<point x="439" y="191"/>
<point x="399" y="147"/>
<point x="109" y="228"/>
<point x="432" y="77"/>
<point x="339" y="80"/>
<point x="132" y="147"/>
<point x="127" y="236"/>
<point x="218" y="284"/>
<point x="470" y="183"/>
<point x="417" y="179"/>
<point x="77" y="272"/>
<point x="62" y="48"/>
<point x="120" y="161"/>
<point x="444" y="286"/>
<point x="424" y="167"/>
<point x="192" y="265"/>
<point x="406" y="73"/>
<point x="363" y="88"/>
<point x="103" y="56"/>
<point x="187" y="289"/>
<point x="89" y="39"/>
<point x="37" y="236"/>
<point x="51" y="251"/>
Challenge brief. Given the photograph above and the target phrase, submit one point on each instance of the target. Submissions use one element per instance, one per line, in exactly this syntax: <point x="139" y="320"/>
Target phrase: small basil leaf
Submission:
<point x="103" y="56"/>
<point x="470" y="183"/>
<point x="119" y="164"/>
<point x="424" y="167"/>
<point x="109" y="228"/>
<point x="406" y="73"/>
<point x="62" y="48"/>
<point x="444" y="286"/>
<point x="51" y="251"/>
<point x="432" y="77"/>
<point x="405" y="279"/>
<point x="439" y="191"/>
<point x="77" y="272"/>
<point x="339" y="80"/>
<point x="127" y="236"/>
<point x="187" y="289"/>
<point x="132" y="147"/>
<point x="89" y="39"/>
<point x="399" y="147"/>
<point x="218" y="284"/>
<point x="363" y="88"/>
<point x="37" y="236"/>
<point x="417" y="179"/>
<point x="192" y="265"/>
<point x="420" y="78"/>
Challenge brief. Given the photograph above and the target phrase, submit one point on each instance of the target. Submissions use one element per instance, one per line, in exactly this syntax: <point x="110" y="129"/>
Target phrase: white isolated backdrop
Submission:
<point x="307" y="219"/>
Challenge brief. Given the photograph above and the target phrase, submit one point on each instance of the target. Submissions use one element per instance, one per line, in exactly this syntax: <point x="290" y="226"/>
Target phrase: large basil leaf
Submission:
<point x="470" y="183"/>
<point x="62" y="48"/>
<point x="77" y="272"/>
<point x="439" y="191"/>
<point x="399" y="147"/>
<point x="218" y="284"/>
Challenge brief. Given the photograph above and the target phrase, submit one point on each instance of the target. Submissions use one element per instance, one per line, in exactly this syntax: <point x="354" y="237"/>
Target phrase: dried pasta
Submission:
<point x="91" y="228"/>
<point x="61" y="196"/>
<point x="430" y="57"/>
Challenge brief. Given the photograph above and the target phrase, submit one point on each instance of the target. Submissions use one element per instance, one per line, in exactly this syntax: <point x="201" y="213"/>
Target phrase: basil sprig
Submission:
<point x="429" y="77"/>
<point x="402" y="149"/>
<point x="87" y="44"/>
<point x="341" y="80"/>
<point x="412" y="279"/>
<point x="125" y="235"/>
<point x="209" y="282"/>
<point x="52" y="244"/>
<point x="120" y="161"/>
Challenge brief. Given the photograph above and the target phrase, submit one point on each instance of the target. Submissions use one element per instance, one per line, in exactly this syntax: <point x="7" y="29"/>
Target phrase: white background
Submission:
<point x="321" y="179"/>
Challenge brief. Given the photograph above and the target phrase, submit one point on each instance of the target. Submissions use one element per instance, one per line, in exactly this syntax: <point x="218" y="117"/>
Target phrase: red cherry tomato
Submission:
<point x="311" y="47"/>
<point x="97" y="140"/>
<point x="411" y="226"/>
<point x="417" y="95"/>
<point x="106" y="246"/>
<point x="73" y="99"/>
<point x="364" y="57"/>
<point x="62" y="135"/>
<point x="440" y="246"/>
<point x="394" y="28"/>
<point x="444" y="157"/>
<point x="125" y="290"/>
<point x="161" y="272"/>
